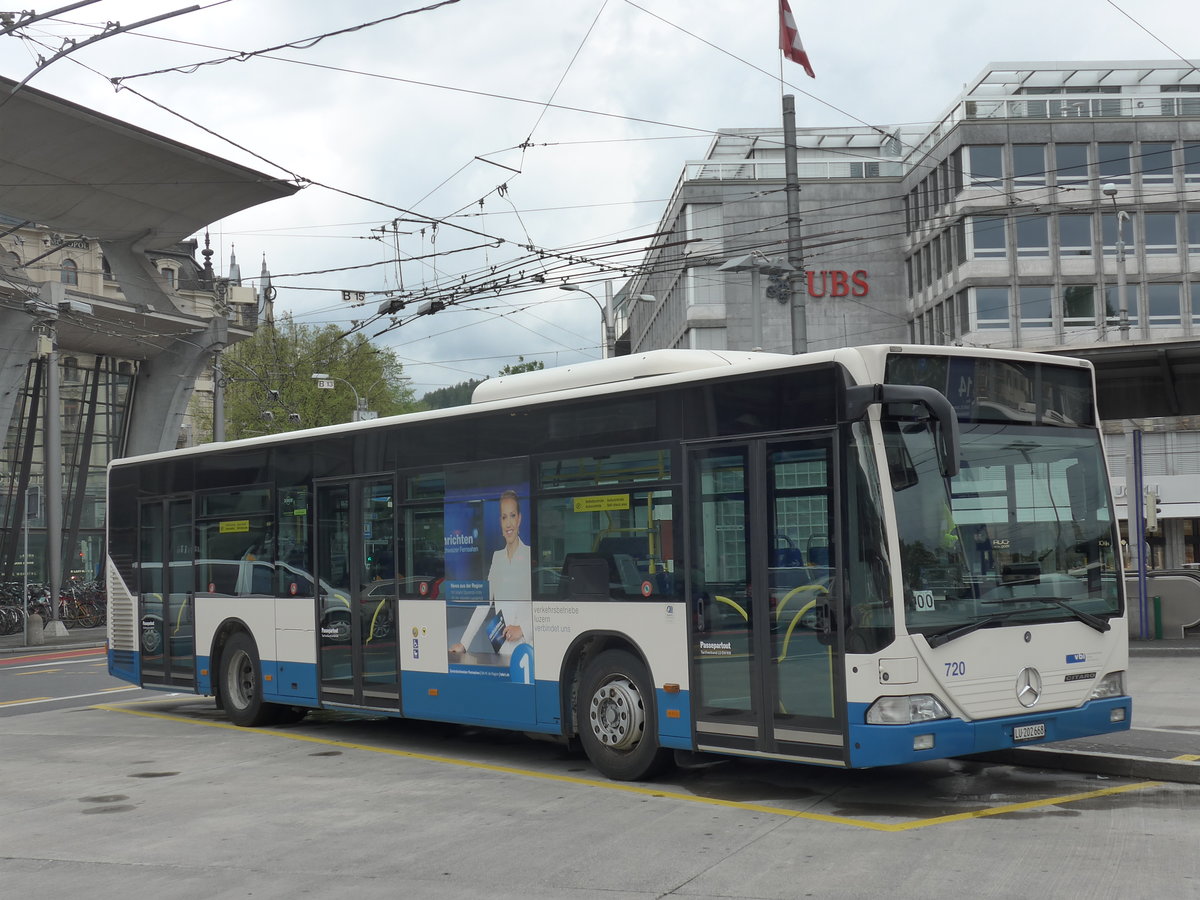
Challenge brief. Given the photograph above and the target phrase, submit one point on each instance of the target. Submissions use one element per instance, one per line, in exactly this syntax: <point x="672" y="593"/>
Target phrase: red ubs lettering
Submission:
<point x="838" y="283"/>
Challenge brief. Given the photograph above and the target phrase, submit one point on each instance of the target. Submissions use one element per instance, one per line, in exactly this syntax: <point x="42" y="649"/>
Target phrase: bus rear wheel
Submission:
<point x="616" y="718"/>
<point x="241" y="683"/>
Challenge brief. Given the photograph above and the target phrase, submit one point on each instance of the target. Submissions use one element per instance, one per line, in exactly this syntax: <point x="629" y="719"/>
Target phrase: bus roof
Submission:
<point x="612" y="371"/>
<point x="654" y="368"/>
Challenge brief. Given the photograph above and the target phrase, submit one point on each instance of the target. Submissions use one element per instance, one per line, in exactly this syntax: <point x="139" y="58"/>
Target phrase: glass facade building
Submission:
<point x="1050" y="208"/>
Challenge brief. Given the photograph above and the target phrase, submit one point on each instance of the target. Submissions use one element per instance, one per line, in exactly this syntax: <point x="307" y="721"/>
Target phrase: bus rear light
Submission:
<point x="906" y="710"/>
<point x="1111" y="685"/>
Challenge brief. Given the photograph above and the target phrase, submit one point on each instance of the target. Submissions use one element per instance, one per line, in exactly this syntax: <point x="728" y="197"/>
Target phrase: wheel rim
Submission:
<point x="617" y="714"/>
<point x="241" y="679"/>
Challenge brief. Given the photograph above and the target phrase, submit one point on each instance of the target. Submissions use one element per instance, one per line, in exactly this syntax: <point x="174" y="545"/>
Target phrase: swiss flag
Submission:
<point x="789" y="38"/>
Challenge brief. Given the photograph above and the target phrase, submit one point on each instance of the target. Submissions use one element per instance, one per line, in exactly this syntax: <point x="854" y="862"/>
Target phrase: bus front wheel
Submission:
<point x="616" y="718"/>
<point x="241" y="682"/>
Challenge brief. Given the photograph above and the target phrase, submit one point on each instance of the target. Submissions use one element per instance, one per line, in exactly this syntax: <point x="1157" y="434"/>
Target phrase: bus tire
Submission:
<point x="617" y="718"/>
<point x="241" y="682"/>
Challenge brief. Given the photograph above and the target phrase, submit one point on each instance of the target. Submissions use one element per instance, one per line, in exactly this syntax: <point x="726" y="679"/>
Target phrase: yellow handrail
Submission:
<point x="732" y="603"/>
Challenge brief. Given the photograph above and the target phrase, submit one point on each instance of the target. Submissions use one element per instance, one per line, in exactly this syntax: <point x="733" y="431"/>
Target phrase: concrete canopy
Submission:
<point x="75" y="170"/>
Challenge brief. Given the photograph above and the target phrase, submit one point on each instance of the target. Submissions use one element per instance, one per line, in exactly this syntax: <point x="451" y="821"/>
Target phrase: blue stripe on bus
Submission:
<point x="472" y="700"/>
<point x="675" y="731"/>
<point x="450" y="698"/>
<point x="886" y="745"/>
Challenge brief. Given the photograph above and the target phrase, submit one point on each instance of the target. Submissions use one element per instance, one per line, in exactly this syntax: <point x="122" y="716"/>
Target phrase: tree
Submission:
<point x="521" y="366"/>
<point x="269" y="386"/>
<point x="454" y="395"/>
<point x="460" y="394"/>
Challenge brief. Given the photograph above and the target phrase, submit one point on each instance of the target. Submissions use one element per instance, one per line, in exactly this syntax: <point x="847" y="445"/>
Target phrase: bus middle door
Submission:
<point x="765" y="675"/>
<point x="356" y="590"/>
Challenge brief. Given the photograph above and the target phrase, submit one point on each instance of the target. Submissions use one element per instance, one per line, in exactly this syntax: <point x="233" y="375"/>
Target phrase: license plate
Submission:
<point x="1029" y="732"/>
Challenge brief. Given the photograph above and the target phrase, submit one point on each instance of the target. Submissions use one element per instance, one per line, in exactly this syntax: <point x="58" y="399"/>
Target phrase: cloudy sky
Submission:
<point x="557" y="125"/>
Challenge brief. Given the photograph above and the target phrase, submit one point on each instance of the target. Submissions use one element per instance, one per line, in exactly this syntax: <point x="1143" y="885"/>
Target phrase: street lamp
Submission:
<point x="1110" y="191"/>
<point x="360" y="405"/>
<point x="755" y="263"/>
<point x="605" y="318"/>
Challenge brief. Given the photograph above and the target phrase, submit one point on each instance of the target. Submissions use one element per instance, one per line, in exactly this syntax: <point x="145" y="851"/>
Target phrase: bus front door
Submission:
<point x="765" y="663"/>
<point x="356" y="589"/>
<point x="166" y="594"/>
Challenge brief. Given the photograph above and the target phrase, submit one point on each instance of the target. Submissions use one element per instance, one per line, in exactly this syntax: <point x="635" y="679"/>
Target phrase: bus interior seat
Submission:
<point x="786" y="558"/>
<point x="818" y="556"/>
<point x="585" y="577"/>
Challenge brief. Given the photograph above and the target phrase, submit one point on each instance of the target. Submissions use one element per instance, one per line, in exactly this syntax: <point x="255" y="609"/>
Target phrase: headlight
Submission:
<point x="906" y="710"/>
<point x="1111" y="685"/>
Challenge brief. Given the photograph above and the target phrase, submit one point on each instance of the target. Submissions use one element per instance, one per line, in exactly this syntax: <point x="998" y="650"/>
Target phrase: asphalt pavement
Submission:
<point x="1162" y="745"/>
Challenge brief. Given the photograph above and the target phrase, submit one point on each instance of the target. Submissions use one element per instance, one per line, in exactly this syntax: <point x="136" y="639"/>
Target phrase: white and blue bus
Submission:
<point x="863" y="557"/>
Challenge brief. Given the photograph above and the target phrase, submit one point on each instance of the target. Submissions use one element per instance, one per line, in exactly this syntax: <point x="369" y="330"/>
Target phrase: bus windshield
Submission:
<point x="1024" y="533"/>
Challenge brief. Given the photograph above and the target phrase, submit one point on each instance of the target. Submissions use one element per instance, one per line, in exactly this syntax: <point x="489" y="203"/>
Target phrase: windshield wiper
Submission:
<point x="1084" y="617"/>
<point x="944" y="637"/>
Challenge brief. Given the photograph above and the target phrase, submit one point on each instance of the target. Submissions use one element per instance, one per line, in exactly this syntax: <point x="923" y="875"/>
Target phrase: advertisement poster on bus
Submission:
<point x="489" y="601"/>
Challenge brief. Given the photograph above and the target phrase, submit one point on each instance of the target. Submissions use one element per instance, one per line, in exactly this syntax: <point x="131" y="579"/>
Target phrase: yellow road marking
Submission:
<point x="26" y="700"/>
<point x="1190" y="757"/>
<point x="644" y="791"/>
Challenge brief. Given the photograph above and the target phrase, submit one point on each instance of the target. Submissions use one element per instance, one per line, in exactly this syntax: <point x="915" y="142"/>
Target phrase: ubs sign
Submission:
<point x="838" y="283"/>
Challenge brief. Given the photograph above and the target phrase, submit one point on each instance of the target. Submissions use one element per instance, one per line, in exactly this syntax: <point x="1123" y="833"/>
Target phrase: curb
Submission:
<point x="51" y="648"/>
<point x="1182" y="770"/>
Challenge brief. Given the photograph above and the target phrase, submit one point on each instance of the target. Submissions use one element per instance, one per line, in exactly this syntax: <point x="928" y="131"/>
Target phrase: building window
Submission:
<point x="985" y="167"/>
<point x="1193" y="232"/>
<point x="1033" y="236"/>
<point x="1071" y="163"/>
<point x="1195" y="291"/>
<point x="1158" y="233"/>
<point x="1157" y="164"/>
<point x="1079" y="305"/>
<point x="1162" y="302"/>
<point x="991" y="307"/>
<point x="704" y="286"/>
<point x="960" y="242"/>
<point x="1075" y="235"/>
<point x="1112" y="163"/>
<point x="68" y="272"/>
<point x="1036" y="309"/>
<point x="1191" y="541"/>
<point x="168" y="276"/>
<point x="1191" y="163"/>
<point x="703" y="221"/>
<point x="1029" y="165"/>
<point x="987" y="237"/>
<point x="12" y="261"/>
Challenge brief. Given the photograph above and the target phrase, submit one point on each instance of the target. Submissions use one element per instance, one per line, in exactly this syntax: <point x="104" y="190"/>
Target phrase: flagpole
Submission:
<point x="796" y="277"/>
